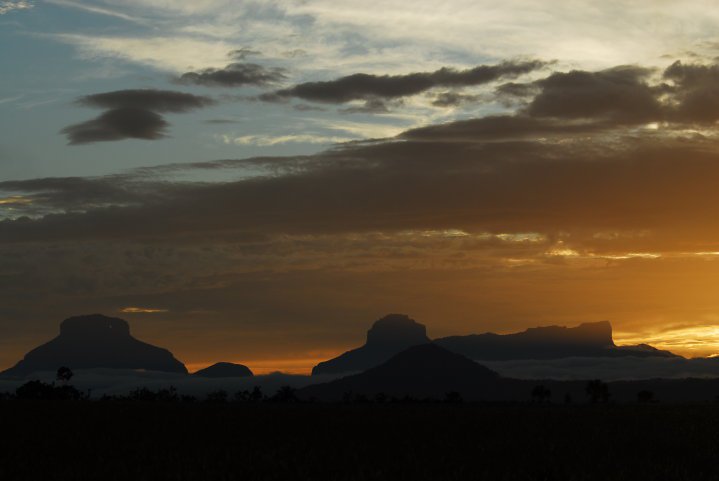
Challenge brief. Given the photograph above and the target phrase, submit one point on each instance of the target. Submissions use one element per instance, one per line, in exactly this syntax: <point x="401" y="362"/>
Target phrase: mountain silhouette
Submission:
<point x="387" y="337"/>
<point x="224" y="369"/>
<point x="553" y="342"/>
<point x="426" y="370"/>
<point x="95" y="341"/>
<point x="430" y="371"/>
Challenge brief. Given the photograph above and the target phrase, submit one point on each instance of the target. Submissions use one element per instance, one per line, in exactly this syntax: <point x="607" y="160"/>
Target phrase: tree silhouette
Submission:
<point x="40" y="391"/>
<point x="541" y="394"/>
<point x="256" y="395"/>
<point x="219" y="396"/>
<point x="285" y="394"/>
<point x="453" y="397"/>
<point x="381" y="398"/>
<point x="645" y="397"/>
<point x="64" y="374"/>
<point x="597" y="391"/>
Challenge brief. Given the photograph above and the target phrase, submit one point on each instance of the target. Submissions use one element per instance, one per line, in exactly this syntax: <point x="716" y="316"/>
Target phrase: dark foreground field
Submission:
<point x="201" y="441"/>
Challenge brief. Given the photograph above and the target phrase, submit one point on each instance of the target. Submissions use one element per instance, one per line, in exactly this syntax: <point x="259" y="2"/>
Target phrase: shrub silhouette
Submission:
<point x="256" y="395"/>
<point x="219" y="396"/>
<point x="597" y="391"/>
<point x="285" y="394"/>
<point x="64" y="374"/>
<point x="381" y="398"/>
<point x="453" y="397"/>
<point x="40" y="391"/>
<point x="146" y="395"/>
<point x="645" y="397"/>
<point x="541" y="394"/>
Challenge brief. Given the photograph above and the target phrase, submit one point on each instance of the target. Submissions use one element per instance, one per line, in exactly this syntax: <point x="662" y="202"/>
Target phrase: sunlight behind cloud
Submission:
<point x="142" y="310"/>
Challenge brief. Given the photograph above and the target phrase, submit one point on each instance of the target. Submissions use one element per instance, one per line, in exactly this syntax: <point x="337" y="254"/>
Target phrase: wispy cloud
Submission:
<point x="7" y="7"/>
<point x="142" y="310"/>
<point x="269" y="140"/>
<point x="95" y="9"/>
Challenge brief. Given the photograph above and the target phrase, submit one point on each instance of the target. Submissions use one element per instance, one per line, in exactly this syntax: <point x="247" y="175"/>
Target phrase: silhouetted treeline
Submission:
<point x="364" y="440"/>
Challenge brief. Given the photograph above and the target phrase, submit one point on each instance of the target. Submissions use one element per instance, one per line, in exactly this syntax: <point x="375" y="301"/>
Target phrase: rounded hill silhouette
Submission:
<point x="224" y="369"/>
<point x="426" y="370"/>
<point x="96" y="341"/>
<point x="387" y="336"/>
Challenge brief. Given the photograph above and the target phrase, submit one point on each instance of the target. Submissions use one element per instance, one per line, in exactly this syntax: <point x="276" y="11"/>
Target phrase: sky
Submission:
<point x="259" y="181"/>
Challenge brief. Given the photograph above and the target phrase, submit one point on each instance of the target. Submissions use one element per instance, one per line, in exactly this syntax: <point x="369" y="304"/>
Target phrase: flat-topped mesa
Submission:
<point x="592" y="339"/>
<point x="396" y="330"/>
<point x="388" y="336"/>
<point x="96" y="341"/>
<point x="597" y="334"/>
<point x="94" y="325"/>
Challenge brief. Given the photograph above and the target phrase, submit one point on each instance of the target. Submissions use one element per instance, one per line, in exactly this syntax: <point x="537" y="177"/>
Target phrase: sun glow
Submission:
<point x="689" y="341"/>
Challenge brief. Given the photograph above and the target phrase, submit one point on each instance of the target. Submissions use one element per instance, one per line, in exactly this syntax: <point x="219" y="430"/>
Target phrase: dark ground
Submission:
<point x="201" y="441"/>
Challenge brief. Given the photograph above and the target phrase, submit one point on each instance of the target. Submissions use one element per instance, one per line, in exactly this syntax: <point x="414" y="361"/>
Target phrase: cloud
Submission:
<point x="582" y="183"/>
<point x="235" y="75"/>
<point x="372" y="106"/>
<point x="363" y="86"/>
<point x="118" y="124"/>
<point x="131" y="114"/>
<point x="620" y="93"/>
<point x="453" y="99"/>
<point x="149" y="99"/>
<point x="95" y="9"/>
<point x="7" y="7"/>
<point x="142" y="310"/>
<point x="695" y="91"/>
<point x="172" y="53"/>
<point x="243" y="53"/>
<point x="268" y="140"/>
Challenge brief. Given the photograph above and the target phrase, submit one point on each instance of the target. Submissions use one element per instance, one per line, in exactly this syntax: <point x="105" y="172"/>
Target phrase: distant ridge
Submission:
<point x="396" y="332"/>
<point x="592" y="339"/>
<point x="95" y="341"/>
<point x="224" y="369"/>
<point x="387" y="337"/>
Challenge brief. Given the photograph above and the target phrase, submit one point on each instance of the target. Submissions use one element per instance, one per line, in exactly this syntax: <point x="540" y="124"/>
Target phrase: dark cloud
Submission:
<point x="148" y="99"/>
<point x="620" y="93"/>
<point x="453" y="99"/>
<point x="502" y="127"/>
<point x="514" y="89"/>
<point x="362" y="86"/>
<point x="243" y="53"/>
<point x="694" y="91"/>
<point x="131" y="114"/>
<point x="307" y="108"/>
<point x="432" y="179"/>
<point x="235" y="75"/>
<point x="118" y="124"/>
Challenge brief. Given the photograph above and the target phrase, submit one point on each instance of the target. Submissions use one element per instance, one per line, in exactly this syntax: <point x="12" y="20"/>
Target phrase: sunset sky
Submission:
<point x="258" y="181"/>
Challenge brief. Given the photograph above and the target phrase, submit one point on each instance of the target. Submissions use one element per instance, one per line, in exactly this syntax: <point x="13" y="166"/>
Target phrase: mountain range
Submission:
<point x="397" y="359"/>
<point x="396" y="332"/>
